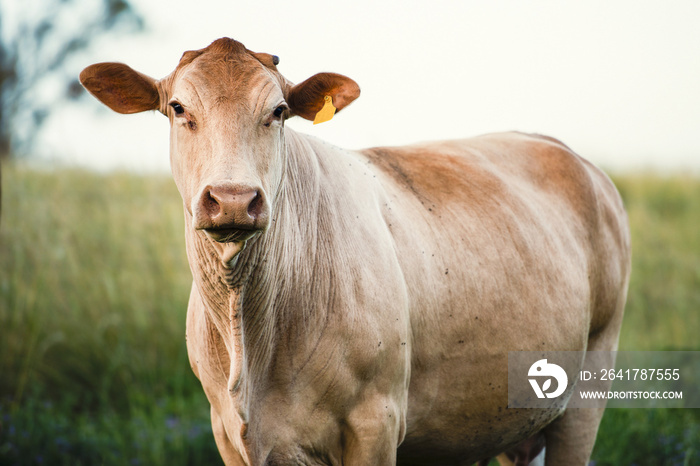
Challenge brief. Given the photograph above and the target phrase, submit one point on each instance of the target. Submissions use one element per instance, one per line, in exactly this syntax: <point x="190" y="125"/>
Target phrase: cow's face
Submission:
<point x="227" y="107"/>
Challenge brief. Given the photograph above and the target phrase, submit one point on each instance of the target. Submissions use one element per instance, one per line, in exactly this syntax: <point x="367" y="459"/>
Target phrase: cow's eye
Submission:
<point x="276" y="115"/>
<point x="279" y="111"/>
<point x="179" y="110"/>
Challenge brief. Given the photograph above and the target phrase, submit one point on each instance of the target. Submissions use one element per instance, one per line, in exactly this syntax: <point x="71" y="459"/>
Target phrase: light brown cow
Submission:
<point x="357" y="307"/>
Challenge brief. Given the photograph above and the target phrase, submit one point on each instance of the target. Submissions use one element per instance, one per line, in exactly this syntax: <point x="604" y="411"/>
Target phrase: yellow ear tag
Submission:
<point x="327" y="112"/>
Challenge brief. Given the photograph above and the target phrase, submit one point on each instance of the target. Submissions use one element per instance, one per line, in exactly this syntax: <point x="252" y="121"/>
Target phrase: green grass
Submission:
<point x="93" y="293"/>
<point x="659" y="437"/>
<point x="663" y="304"/>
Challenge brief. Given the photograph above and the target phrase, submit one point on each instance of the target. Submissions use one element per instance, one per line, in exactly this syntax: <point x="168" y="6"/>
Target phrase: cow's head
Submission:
<point x="227" y="107"/>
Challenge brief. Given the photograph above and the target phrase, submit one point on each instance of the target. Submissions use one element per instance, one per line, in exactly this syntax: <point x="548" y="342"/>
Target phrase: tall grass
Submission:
<point x="93" y="293"/>
<point x="663" y="305"/>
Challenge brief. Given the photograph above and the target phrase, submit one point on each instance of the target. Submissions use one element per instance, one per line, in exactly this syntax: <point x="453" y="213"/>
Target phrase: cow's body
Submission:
<point x="377" y="309"/>
<point x="410" y="273"/>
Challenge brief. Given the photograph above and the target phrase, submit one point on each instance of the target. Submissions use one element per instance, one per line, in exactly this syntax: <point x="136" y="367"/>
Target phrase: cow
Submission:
<point x="357" y="307"/>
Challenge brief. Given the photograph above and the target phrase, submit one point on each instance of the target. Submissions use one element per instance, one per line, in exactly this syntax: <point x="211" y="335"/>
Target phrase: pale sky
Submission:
<point x="616" y="80"/>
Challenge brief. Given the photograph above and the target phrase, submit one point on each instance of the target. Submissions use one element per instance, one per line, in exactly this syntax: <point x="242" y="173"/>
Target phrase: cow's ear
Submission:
<point x="306" y="99"/>
<point x="121" y="88"/>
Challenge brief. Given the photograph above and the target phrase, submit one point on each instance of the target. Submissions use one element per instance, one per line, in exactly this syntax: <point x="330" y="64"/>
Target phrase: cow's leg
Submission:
<point x="228" y="453"/>
<point x="208" y="359"/>
<point x="368" y="439"/>
<point x="570" y="438"/>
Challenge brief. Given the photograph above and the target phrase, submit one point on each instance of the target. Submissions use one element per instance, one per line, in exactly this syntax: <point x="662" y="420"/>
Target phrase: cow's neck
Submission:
<point x="247" y="301"/>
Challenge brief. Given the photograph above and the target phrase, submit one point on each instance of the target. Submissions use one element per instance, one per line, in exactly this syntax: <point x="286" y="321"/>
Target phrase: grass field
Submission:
<point x="93" y="292"/>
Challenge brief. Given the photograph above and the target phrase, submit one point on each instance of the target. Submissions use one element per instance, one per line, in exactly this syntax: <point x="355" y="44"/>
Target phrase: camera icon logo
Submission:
<point x="541" y="369"/>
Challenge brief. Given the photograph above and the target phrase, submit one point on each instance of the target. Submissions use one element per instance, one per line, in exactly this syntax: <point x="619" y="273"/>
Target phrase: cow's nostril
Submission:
<point x="255" y="207"/>
<point x="211" y="205"/>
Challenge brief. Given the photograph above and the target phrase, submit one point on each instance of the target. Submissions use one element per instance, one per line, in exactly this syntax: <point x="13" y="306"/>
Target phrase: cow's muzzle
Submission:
<point x="230" y="213"/>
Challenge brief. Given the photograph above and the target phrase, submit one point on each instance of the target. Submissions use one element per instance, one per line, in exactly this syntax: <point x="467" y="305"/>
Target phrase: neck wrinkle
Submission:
<point x="210" y="277"/>
<point x="221" y="290"/>
<point x="250" y="302"/>
<point x="276" y="264"/>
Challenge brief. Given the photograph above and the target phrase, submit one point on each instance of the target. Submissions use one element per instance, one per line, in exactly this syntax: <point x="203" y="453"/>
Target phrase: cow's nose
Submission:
<point x="223" y="208"/>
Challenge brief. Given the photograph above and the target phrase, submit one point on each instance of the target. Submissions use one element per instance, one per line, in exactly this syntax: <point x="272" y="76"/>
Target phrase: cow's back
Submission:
<point x="507" y="242"/>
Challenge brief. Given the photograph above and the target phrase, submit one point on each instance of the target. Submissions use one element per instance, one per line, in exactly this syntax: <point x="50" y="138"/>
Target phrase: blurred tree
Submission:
<point x="37" y="39"/>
